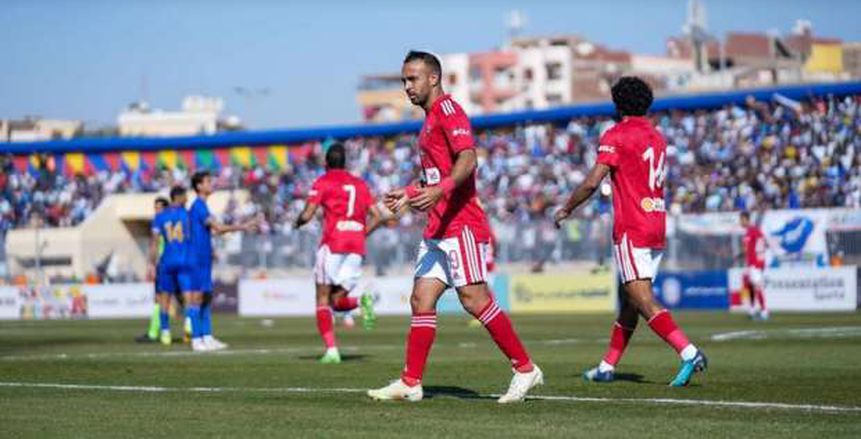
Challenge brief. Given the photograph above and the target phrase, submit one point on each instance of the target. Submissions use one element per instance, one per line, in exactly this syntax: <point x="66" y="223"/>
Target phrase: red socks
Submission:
<point x="423" y="332"/>
<point x="345" y="304"/>
<point x="324" y="326"/>
<point x="663" y="325"/>
<point x="760" y="298"/>
<point x="419" y="342"/>
<point x="499" y="326"/>
<point x="619" y="339"/>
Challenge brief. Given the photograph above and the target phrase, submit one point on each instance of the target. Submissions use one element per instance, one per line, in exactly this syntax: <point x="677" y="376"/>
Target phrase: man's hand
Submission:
<point x="254" y="224"/>
<point x="395" y="200"/>
<point x="426" y="197"/>
<point x="561" y="215"/>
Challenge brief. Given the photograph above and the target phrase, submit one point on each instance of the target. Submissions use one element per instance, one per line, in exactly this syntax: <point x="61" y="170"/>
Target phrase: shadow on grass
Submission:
<point x="632" y="378"/>
<point x="454" y="392"/>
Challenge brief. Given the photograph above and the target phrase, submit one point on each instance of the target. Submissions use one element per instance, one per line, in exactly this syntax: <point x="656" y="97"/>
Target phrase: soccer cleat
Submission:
<point x="763" y="315"/>
<point x="214" y="344"/>
<point x="698" y="364"/>
<point x="596" y="376"/>
<point x="520" y="385"/>
<point x="369" y="317"/>
<point x="166" y="338"/>
<point x="332" y="356"/>
<point x="198" y="345"/>
<point x="397" y="391"/>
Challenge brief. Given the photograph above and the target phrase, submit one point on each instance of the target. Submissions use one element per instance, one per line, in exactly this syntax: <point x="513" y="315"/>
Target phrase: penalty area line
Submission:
<point x="558" y="398"/>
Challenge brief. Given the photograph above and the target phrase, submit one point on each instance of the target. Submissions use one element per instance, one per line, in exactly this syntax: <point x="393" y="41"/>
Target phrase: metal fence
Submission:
<point x="533" y="242"/>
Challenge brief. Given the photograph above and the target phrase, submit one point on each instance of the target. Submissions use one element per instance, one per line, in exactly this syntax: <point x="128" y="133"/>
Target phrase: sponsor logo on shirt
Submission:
<point x="432" y="176"/>
<point x="461" y="132"/>
<point x="652" y="204"/>
<point x="349" y="226"/>
<point x="607" y="148"/>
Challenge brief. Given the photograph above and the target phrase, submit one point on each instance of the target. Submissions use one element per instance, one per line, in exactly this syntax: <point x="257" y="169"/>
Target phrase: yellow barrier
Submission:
<point x="572" y="292"/>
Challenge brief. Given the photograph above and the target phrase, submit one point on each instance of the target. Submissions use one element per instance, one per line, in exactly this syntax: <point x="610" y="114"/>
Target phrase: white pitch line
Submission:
<point x="562" y="398"/>
<point x="827" y="332"/>
<point x="251" y="351"/>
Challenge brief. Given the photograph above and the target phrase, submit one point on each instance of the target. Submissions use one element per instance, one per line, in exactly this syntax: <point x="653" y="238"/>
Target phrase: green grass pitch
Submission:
<point x="269" y="383"/>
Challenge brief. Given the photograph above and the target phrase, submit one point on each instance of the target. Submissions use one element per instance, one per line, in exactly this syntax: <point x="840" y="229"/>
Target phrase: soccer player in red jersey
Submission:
<point x="754" y="245"/>
<point x="346" y="202"/>
<point x="633" y="154"/>
<point x="453" y="249"/>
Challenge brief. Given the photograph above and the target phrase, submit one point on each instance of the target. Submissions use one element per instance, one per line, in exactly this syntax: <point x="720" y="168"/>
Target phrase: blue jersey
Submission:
<point x="201" y="235"/>
<point x="173" y="226"/>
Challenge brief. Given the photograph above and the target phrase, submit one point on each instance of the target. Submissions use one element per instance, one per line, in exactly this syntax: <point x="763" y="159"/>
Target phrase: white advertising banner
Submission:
<point x="391" y="294"/>
<point x="296" y="297"/>
<point x="803" y="289"/>
<point x="10" y="308"/>
<point x="277" y="297"/>
<point x="811" y="289"/>
<point x="797" y="237"/>
<point x="119" y="301"/>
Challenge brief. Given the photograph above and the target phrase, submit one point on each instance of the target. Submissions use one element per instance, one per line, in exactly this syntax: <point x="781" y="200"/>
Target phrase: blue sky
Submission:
<point x="86" y="59"/>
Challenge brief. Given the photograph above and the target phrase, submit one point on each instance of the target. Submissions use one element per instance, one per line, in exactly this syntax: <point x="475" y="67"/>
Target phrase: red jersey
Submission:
<point x="345" y="199"/>
<point x="636" y="152"/>
<point x="445" y="133"/>
<point x="754" y="247"/>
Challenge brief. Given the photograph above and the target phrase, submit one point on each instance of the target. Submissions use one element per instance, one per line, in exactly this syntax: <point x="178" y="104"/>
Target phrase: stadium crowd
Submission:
<point x="779" y="154"/>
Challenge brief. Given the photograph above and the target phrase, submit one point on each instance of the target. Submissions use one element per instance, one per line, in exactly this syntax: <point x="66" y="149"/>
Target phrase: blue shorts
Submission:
<point x="173" y="280"/>
<point x="201" y="278"/>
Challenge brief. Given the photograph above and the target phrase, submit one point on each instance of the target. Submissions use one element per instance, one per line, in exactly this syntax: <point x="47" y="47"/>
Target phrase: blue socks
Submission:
<point x="206" y="320"/>
<point x="164" y="320"/>
<point x="193" y="313"/>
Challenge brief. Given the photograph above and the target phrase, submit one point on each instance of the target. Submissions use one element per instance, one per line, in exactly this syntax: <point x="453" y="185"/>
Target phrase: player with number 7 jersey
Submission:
<point x="346" y="202"/>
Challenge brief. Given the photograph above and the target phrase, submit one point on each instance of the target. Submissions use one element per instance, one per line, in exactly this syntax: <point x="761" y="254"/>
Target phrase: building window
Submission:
<point x="554" y="71"/>
<point x="475" y="74"/>
<point x="527" y="74"/>
<point x="554" y="99"/>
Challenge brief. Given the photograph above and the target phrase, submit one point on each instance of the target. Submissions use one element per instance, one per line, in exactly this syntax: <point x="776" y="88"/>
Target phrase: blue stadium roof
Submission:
<point x="294" y="136"/>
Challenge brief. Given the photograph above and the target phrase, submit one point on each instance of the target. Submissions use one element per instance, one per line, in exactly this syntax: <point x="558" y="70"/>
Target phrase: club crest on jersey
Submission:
<point x="652" y="204"/>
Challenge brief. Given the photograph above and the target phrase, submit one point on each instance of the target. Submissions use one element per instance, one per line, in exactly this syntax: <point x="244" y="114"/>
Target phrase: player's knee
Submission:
<point x="473" y="300"/>
<point x="323" y="300"/>
<point x="419" y="305"/>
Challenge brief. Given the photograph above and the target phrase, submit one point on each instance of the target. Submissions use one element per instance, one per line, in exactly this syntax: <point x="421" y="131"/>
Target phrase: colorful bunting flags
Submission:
<point x="274" y="157"/>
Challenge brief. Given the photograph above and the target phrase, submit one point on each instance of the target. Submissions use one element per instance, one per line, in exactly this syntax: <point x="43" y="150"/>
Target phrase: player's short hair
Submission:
<point x="744" y="214"/>
<point x="336" y="156"/>
<point x="176" y="192"/>
<point x="162" y="202"/>
<point x="632" y="96"/>
<point x="197" y="179"/>
<point x="429" y="59"/>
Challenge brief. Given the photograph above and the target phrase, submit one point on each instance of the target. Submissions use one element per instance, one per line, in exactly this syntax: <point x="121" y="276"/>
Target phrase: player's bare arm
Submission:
<point x="427" y="197"/>
<point x="376" y="219"/>
<point x="306" y="216"/>
<point x="582" y="192"/>
<point x="220" y="228"/>
<point x="153" y="255"/>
